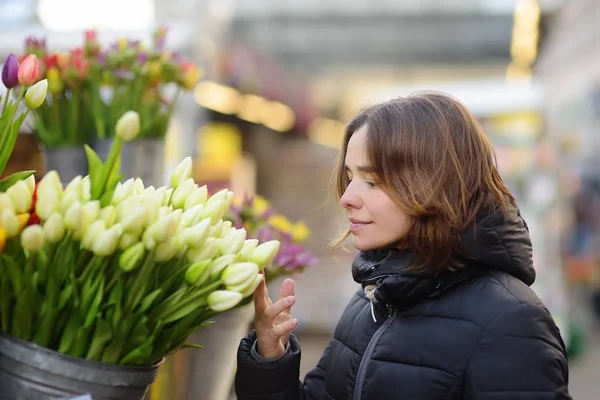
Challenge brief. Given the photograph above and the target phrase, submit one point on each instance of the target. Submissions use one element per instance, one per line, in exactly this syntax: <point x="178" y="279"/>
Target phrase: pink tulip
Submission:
<point x="29" y="70"/>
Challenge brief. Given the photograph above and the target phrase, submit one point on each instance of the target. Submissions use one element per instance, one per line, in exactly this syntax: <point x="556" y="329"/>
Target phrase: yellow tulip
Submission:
<point x="280" y="222"/>
<point x="300" y="232"/>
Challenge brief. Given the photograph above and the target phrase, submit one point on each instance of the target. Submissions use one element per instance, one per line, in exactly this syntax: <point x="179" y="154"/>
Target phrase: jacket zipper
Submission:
<point x="364" y="361"/>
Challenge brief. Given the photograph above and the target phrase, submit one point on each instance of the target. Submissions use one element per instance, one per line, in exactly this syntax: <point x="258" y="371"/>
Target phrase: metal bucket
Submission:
<point x="145" y="159"/>
<point x="69" y="162"/>
<point x="32" y="372"/>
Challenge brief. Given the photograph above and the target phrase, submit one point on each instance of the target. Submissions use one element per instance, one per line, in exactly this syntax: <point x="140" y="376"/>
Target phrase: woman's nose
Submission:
<point x="350" y="199"/>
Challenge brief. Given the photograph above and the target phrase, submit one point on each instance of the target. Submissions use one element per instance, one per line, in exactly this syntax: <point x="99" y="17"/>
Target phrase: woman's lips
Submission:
<point x="357" y="225"/>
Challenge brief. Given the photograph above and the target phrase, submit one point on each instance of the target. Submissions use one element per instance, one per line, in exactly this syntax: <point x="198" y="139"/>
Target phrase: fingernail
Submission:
<point x="289" y="300"/>
<point x="293" y="322"/>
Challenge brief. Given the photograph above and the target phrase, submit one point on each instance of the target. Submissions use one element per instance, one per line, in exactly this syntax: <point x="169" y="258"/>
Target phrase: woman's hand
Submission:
<point x="273" y="321"/>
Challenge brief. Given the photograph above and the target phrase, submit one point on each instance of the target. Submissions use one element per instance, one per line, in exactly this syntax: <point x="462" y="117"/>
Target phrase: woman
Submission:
<point x="445" y="263"/>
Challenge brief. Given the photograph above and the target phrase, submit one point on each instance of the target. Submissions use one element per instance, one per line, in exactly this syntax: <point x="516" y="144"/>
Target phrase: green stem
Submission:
<point x="21" y="94"/>
<point x="6" y="100"/>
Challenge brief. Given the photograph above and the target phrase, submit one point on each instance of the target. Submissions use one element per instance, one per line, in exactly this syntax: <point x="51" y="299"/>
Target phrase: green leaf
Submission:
<point x="65" y="295"/>
<point x="25" y="309"/>
<point x="140" y="354"/>
<point x="102" y="336"/>
<point x="14" y="178"/>
<point x="138" y="335"/>
<point x="45" y="326"/>
<point x="188" y="345"/>
<point x="95" y="304"/>
<point x="68" y="337"/>
<point x="148" y="300"/>
<point x="8" y="143"/>
<point x="6" y="305"/>
<point x="96" y="168"/>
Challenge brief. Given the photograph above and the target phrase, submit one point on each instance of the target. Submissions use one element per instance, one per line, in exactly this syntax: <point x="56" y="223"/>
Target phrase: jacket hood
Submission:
<point x="494" y="241"/>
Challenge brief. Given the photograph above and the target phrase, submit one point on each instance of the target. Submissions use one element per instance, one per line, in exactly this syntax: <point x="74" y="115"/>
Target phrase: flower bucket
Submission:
<point x="69" y="162"/>
<point x="145" y="159"/>
<point x="32" y="372"/>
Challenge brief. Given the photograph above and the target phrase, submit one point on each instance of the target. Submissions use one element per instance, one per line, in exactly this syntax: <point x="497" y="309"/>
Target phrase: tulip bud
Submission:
<point x="128" y="126"/>
<point x="108" y="214"/>
<point x="206" y="252"/>
<point x="54" y="228"/>
<point x="233" y="242"/>
<point x="150" y="190"/>
<point x="217" y="230"/>
<point x="247" y="249"/>
<point x="223" y="300"/>
<point x="67" y="200"/>
<point x="252" y="287"/>
<point x="132" y="257"/>
<point x="50" y="183"/>
<point x="6" y="203"/>
<point x="30" y="181"/>
<point x="86" y="188"/>
<point x="219" y="264"/>
<point x="229" y="200"/>
<point x="90" y="213"/>
<point x="166" y="251"/>
<point x="20" y="197"/>
<point x="198" y="196"/>
<point x="238" y="273"/>
<point x="10" y="223"/>
<point x="192" y="216"/>
<point x="32" y="238"/>
<point x="195" y="236"/>
<point x="36" y="94"/>
<point x="161" y="194"/>
<point x="198" y="272"/>
<point x="75" y="187"/>
<point x="182" y="192"/>
<point x="73" y="217"/>
<point x="10" y="72"/>
<point x="55" y="82"/>
<point x="227" y="227"/>
<point x="128" y="240"/>
<point x="214" y="211"/>
<point x="122" y="192"/>
<point x="220" y="195"/>
<point x="47" y="205"/>
<point x="182" y="172"/>
<point x="91" y="233"/>
<point x="105" y="243"/>
<point x="134" y="220"/>
<point x="265" y="253"/>
<point x="138" y="186"/>
<point x="29" y="70"/>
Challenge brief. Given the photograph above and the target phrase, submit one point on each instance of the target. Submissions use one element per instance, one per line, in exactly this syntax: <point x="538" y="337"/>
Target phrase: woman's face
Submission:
<point x="375" y="220"/>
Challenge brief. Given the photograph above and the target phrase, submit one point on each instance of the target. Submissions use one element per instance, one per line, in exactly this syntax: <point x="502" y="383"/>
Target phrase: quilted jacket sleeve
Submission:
<point x="276" y="380"/>
<point x="521" y="356"/>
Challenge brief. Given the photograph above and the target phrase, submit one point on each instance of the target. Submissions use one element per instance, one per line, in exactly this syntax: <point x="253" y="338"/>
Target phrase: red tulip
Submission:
<point x="29" y="70"/>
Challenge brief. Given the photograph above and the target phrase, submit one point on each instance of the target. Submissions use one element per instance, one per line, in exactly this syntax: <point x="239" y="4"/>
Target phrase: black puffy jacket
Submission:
<point x="478" y="334"/>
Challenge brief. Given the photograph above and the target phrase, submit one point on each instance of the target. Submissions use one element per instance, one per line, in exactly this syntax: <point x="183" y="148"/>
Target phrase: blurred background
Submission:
<point x="278" y="81"/>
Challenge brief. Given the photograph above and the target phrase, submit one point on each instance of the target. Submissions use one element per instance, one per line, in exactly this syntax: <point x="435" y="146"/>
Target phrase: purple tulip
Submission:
<point x="10" y="72"/>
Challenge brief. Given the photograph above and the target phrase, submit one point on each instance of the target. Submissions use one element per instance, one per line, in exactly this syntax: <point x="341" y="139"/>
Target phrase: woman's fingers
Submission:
<point x="284" y="329"/>
<point x="272" y="311"/>
<point x="260" y="298"/>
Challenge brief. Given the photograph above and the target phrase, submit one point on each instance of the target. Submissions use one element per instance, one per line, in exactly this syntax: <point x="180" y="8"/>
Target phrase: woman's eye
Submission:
<point x="370" y="184"/>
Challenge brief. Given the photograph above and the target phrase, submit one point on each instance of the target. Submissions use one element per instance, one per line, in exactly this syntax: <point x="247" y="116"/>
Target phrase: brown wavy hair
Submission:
<point x="433" y="158"/>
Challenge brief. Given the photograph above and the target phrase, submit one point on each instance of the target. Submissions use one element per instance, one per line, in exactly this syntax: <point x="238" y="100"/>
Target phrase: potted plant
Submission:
<point x="101" y="280"/>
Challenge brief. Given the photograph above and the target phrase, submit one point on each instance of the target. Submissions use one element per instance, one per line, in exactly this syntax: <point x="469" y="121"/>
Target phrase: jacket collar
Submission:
<point x="494" y="241"/>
